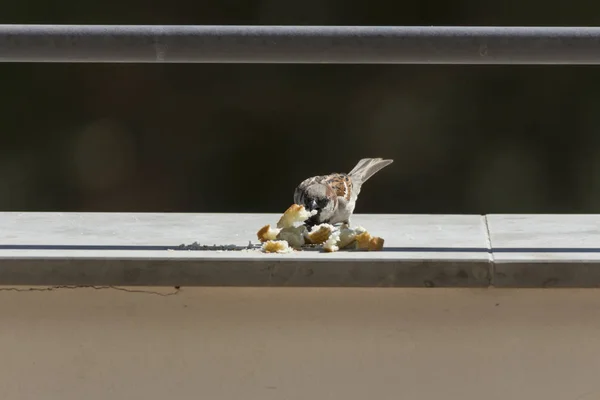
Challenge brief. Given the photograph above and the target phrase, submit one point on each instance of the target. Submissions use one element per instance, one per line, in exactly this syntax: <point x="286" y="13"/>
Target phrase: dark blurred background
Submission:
<point x="239" y="138"/>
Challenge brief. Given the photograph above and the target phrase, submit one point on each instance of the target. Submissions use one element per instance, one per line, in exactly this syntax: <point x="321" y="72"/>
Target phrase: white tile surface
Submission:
<point x="140" y="249"/>
<point x="545" y="237"/>
<point x="406" y="236"/>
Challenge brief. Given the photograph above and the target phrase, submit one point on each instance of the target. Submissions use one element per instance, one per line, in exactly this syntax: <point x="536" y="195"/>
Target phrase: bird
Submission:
<point x="334" y="196"/>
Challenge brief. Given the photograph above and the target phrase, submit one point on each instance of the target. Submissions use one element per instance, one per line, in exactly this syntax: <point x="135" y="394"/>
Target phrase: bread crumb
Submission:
<point x="293" y="215"/>
<point x="362" y="240"/>
<point x="331" y="244"/>
<point x="319" y="233"/>
<point x="276" y="246"/>
<point x="376" y="243"/>
<point x="267" y="233"/>
<point x="347" y="236"/>
<point x="359" y="229"/>
<point x="294" y="236"/>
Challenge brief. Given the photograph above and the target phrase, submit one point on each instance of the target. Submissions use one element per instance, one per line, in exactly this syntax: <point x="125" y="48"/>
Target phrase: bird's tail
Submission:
<point x="367" y="167"/>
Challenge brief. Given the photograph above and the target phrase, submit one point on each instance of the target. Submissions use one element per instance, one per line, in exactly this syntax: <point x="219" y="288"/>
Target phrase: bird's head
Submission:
<point x="320" y="198"/>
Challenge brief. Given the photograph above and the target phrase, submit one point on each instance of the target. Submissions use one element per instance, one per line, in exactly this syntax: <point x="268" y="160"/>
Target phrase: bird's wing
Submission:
<point x="341" y="185"/>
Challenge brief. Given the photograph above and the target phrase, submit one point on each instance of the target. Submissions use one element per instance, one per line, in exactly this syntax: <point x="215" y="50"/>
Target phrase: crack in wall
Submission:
<point x="488" y="240"/>
<point x="73" y="287"/>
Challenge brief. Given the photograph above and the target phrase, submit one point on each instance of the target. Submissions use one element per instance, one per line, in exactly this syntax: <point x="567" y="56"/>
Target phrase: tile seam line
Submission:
<point x="488" y="241"/>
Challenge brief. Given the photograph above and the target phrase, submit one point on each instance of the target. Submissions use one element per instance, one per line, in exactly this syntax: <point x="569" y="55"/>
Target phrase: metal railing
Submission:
<point x="299" y="44"/>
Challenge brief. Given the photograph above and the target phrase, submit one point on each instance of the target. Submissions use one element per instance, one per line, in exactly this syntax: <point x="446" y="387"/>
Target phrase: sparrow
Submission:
<point x="334" y="196"/>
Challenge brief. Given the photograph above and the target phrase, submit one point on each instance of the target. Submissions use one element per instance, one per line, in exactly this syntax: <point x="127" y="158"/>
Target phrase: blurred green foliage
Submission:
<point x="238" y="138"/>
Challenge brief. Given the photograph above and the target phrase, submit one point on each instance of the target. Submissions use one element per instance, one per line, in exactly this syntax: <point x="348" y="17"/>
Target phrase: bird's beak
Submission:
<point x="312" y="205"/>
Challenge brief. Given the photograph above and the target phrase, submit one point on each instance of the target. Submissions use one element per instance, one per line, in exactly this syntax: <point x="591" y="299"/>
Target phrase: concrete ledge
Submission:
<point x="124" y="249"/>
<point x="545" y="250"/>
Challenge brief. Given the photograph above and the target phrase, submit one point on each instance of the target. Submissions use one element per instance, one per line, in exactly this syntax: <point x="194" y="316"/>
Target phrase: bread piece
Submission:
<point x="319" y="234"/>
<point x="267" y="233"/>
<point x="294" y="236"/>
<point x="348" y="236"/>
<point x="293" y="215"/>
<point x="362" y="240"/>
<point x="331" y="244"/>
<point x="376" y="243"/>
<point x="276" y="246"/>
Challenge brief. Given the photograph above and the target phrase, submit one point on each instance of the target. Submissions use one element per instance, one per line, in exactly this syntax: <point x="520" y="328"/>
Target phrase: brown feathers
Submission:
<point x="341" y="184"/>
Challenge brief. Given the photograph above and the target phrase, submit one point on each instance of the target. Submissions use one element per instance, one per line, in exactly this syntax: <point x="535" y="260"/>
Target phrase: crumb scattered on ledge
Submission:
<point x="223" y="247"/>
<point x="376" y="243"/>
<point x="267" y="233"/>
<point x="295" y="236"/>
<point x="320" y="233"/>
<point x="291" y="230"/>
<point x="276" y="246"/>
<point x="331" y="244"/>
<point x="362" y="240"/>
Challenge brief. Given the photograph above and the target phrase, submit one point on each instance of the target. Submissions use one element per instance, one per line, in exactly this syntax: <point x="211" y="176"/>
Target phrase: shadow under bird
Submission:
<point x="334" y="196"/>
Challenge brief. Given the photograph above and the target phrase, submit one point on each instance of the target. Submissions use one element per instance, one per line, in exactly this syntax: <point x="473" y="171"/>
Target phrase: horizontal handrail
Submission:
<point x="299" y="44"/>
